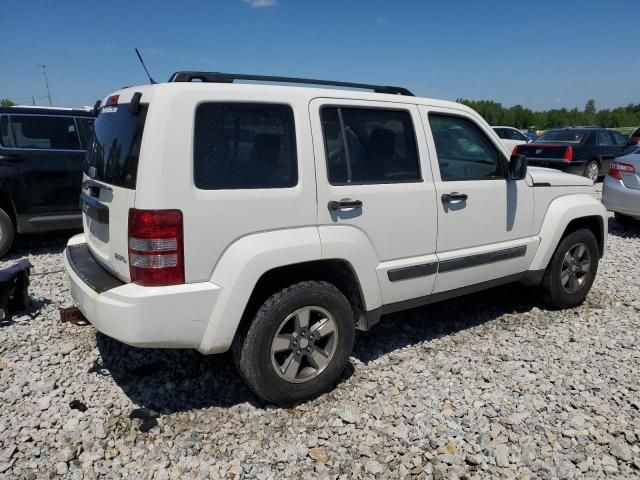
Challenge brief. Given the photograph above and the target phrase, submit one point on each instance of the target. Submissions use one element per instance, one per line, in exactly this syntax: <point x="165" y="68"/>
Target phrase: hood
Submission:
<point x="554" y="178"/>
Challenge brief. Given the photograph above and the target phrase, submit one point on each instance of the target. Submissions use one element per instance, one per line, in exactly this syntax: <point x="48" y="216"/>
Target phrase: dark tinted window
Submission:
<point x="636" y="133"/>
<point x="464" y="151"/>
<point x="42" y="132"/>
<point x="502" y="132"/>
<point x="604" y="138"/>
<point x="570" y="136"/>
<point x="113" y="155"/>
<point x="368" y="145"/>
<point x="6" y="138"/>
<point x="244" y="145"/>
<point x="620" y="139"/>
<point x="85" y="127"/>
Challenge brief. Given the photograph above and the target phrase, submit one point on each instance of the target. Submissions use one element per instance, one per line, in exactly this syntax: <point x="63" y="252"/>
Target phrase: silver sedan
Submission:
<point x="621" y="190"/>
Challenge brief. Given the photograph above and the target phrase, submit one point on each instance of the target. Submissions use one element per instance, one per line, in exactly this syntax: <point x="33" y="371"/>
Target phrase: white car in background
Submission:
<point x="511" y="137"/>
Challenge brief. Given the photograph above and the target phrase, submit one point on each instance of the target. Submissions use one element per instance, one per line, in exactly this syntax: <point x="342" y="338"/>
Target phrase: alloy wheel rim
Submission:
<point x="593" y="172"/>
<point x="576" y="266"/>
<point x="304" y="344"/>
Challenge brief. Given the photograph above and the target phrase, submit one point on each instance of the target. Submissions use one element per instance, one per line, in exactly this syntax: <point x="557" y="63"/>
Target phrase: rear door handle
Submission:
<point x="335" y="205"/>
<point x="454" y="197"/>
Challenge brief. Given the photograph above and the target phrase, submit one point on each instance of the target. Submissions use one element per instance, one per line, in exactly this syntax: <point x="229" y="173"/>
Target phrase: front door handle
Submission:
<point x="454" y="197"/>
<point x="12" y="158"/>
<point x="335" y="205"/>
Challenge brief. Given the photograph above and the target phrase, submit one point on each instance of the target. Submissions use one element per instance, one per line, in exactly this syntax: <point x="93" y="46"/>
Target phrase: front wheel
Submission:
<point x="572" y="270"/>
<point x="298" y="343"/>
<point x="592" y="171"/>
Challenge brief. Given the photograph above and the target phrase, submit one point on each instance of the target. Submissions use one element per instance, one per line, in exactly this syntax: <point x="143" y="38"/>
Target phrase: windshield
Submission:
<point x="569" y="136"/>
<point x="113" y="154"/>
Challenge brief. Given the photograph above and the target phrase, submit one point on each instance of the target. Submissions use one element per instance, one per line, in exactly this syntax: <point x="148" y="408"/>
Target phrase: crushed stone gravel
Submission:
<point x="486" y="386"/>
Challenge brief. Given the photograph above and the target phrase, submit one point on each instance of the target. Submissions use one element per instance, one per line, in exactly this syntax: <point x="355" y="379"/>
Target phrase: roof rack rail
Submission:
<point x="218" y="77"/>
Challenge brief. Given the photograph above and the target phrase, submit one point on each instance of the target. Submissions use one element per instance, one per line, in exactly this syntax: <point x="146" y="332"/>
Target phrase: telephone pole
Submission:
<point x="46" y="81"/>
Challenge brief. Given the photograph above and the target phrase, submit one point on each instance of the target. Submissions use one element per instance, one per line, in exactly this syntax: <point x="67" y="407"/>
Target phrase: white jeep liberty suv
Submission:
<point x="276" y="220"/>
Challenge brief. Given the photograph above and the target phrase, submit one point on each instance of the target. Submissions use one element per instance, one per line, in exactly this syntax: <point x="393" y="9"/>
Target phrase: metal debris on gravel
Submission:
<point x="486" y="386"/>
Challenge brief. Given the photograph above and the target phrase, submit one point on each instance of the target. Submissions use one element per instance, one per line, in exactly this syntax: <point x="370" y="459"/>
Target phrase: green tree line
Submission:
<point x="521" y="117"/>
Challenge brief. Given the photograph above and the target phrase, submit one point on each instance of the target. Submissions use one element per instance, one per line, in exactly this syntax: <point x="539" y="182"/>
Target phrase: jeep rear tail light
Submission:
<point x="568" y="154"/>
<point x="156" y="247"/>
<point x="616" y="169"/>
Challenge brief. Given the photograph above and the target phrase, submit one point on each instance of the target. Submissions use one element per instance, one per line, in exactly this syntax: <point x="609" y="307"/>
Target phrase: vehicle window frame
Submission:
<point x="294" y="132"/>
<point x="341" y="106"/>
<point x="13" y="134"/>
<point x="503" y="161"/>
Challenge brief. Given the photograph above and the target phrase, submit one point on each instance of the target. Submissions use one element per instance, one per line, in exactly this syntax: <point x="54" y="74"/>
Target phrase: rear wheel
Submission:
<point x="592" y="171"/>
<point x="298" y="343"/>
<point x="572" y="270"/>
<point x="7" y="233"/>
<point x="626" y="220"/>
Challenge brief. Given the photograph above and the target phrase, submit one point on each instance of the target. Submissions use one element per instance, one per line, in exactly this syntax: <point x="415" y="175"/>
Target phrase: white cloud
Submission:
<point x="261" y="3"/>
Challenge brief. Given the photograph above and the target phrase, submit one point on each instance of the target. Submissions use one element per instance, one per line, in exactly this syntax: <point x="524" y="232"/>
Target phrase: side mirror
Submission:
<point x="517" y="167"/>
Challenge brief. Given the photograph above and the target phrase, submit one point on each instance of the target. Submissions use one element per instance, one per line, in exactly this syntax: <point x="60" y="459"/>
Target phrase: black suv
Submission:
<point x="584" y="151"/>
<point x="41" y="158"/>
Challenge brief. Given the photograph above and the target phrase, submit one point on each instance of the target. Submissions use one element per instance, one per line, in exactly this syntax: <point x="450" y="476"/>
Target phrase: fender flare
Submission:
<point x="246" y="260"/>
<point x="560" y="213"/>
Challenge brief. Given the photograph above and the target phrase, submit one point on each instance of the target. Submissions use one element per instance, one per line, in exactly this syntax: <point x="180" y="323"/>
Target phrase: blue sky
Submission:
<point x="543" y="54"/>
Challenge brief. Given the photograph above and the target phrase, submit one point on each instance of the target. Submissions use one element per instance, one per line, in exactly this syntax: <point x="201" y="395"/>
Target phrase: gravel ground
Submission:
<point x="488" y="386"/>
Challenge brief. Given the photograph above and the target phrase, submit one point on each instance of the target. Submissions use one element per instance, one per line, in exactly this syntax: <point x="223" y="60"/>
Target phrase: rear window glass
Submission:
<point x="570" y="136"/>
<point x="113" y="154"/>
<point x="42" y="132"/>
<point x="369" y="146"/>
<point x="244" y="145"/>
<point x="636" y="133"/>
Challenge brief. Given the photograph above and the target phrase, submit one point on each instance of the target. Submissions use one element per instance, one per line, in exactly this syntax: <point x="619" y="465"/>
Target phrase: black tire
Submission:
<point x="626" y="220"/>
<point x="7" y="233"/>
<point x="588" y="168"/>
<point x="555" y="294"/>
<point x="252" y="351"/>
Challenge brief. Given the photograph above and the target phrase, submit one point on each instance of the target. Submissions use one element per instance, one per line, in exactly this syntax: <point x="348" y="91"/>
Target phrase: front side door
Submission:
<point x="484" y="220"/>
<point x="374" y="184"/>
<point x="44" y="150"/>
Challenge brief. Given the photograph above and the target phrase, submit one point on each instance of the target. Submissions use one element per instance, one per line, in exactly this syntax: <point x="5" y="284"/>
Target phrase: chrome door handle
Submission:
<point x="335" y="205"/>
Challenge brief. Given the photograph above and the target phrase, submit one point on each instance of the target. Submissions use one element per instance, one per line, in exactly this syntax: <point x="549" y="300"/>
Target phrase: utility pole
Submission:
<point x="33" y="100"/>
<point x="46" y="81"/>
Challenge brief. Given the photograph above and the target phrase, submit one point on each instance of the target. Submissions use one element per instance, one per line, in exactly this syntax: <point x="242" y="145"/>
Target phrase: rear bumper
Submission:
<point x="163" y="317"/>
<point x="618" y="198"/>
<point x="576" y="167"/>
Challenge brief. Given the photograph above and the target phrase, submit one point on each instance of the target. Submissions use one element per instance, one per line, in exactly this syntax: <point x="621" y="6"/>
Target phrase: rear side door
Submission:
<point x="607" y="149"/>
<point x="374" y="184"/>
<point x="42" y="152"/>
<point x="485" y="221"/>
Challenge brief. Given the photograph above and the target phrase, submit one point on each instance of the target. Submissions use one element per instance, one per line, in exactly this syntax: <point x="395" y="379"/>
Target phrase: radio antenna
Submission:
<point x="151" y="80"/>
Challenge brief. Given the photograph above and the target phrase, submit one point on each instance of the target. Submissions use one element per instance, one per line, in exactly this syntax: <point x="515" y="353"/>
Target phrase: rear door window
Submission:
<point x="604" y="139"/>
<point x="44" y="132"/>
<point x="244" y="146"/>
<point x="369" y="146"/>
<point x="113" y="154"/>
